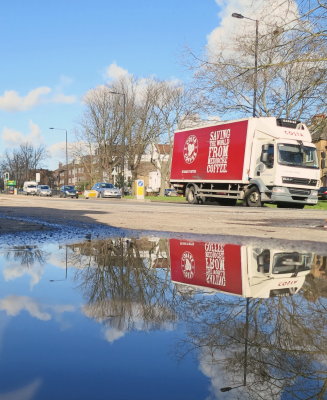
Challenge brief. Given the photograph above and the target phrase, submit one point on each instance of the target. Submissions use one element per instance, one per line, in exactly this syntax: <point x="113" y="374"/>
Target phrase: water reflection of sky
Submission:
<point x="161" y="318"/>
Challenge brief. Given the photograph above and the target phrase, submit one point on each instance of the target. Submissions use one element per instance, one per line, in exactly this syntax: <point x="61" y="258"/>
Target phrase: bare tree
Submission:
<point x="290" y="77"/>
<point x="173" y="107"/>
<point x="100" y="134"/>
<point x="22" y="163"/>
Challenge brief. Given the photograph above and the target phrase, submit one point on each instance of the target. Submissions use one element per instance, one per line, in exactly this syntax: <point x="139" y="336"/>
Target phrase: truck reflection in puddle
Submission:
<point x="240" y="270"/>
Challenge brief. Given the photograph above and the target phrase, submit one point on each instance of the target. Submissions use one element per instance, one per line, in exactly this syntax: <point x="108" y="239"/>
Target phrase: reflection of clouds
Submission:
<point x="217" y="374"/>
<point x="14" y="271"/>
<point x="213" y="365"/>
<point x="14" y="305"/>
<point x="112" y="334"/>
<point x="25" y="393"/>
<point x="57" y="259"/>
<point x="132" y="317"/>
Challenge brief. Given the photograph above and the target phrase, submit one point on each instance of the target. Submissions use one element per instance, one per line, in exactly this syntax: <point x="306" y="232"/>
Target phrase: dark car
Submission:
<point x="322" y="193"/>
<point x="68" y="191"/>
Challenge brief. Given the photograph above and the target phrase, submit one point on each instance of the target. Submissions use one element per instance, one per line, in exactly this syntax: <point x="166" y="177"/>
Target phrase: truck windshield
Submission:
<point x="291" y="263"/>
<point x="297" y="155"/>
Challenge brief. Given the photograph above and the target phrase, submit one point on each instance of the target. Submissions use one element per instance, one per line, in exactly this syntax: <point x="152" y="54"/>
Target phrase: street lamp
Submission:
<point x="124" y="134"/>
<point x="240" y="16"/>
<point x="66" y="169"/>
<point x="246" y="339"/>
<point x="66" y="270"/>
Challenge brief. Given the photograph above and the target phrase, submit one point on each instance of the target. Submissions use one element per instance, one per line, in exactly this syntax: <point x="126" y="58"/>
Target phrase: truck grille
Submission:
<point x="299" y="181"/>
<point x="300" y="192"/>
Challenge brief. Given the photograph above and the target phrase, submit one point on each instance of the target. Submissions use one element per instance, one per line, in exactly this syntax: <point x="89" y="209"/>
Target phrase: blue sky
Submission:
<point x="53" y="52"/>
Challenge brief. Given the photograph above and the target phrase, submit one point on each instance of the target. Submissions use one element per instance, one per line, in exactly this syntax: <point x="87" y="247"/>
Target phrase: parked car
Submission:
<point x="68" y="191"/>
<point x="322" y="193"/>
<point x="170" y="192"/>
<point x="43" y="190"/>
<point x="105" y="189"/>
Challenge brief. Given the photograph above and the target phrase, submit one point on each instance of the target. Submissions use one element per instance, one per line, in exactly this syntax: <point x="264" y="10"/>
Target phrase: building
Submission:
<point x="318" y="130"/>
<point x="82" y="173"/>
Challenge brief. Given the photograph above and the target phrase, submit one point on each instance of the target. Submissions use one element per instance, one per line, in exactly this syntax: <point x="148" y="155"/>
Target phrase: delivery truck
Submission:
<point x="256" y="160"/>
<point x="245" y="271"/>
<point x="30" y="188"/>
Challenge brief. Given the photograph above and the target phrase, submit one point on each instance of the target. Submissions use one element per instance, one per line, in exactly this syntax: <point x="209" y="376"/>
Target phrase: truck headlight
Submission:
<point x="279" y="189"/>
<point x="314" y="192"/>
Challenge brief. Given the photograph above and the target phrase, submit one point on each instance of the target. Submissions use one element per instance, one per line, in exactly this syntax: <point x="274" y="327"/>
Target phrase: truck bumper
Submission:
<point x="292" y="195"/>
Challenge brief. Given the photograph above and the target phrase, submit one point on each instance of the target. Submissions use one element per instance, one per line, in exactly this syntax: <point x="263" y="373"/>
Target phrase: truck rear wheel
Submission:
<point x="253" y="197"/>
<point x="190" y="196"/>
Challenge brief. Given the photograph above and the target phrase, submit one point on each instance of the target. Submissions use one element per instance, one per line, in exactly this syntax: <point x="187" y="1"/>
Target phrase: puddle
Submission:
<point x="162" y="318"/>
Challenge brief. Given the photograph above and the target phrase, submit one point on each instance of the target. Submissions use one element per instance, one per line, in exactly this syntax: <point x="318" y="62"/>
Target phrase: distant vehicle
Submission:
<point x="322" y="193"/>
<point x="68" y="191"/>
<point x="43" y="190"/>
<point x="107" y="190"/>
<point x="170" y="192"/>
<point x="30" y="188"/>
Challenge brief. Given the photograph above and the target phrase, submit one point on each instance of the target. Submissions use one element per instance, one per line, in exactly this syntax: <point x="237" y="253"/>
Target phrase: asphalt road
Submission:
<point x="308" y="228"/>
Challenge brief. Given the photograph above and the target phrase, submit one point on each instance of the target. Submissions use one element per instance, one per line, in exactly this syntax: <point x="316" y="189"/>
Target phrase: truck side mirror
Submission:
<point x="264" y="157"/>
<point x="267" y="155"/>
<point x="323" y="164"/>
<point x="323" y="154"/>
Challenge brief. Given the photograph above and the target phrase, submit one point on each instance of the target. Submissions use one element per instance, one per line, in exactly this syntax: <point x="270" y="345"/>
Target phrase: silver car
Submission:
<point x="43" y="190"/>
<point x="107" y="190"/>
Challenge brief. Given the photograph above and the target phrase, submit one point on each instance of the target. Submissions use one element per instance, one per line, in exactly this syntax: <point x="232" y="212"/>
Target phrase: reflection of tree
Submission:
<point x="121" y="283"/>
<point x="287" y="343"/>
<point x="26" y="255"/>
<point x="285" y="336"/>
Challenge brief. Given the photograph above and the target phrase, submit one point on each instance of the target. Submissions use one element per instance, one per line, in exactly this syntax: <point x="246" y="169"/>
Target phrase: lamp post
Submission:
<point x="66" y="269"/>
<point x="124" y="134"/>
<point x="66" y="169"/>
<point x="246" y="339"/>
<point x="240" y="16"/>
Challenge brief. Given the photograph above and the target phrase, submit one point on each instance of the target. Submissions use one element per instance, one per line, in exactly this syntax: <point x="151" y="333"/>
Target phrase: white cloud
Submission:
<point x="268" y="12"/>
<point x="115" y="72"/>
<point x="12" y="101"/>
<point x="12" y="137"/>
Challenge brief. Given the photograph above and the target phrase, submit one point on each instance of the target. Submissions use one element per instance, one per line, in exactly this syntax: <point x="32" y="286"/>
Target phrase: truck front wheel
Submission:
<point x="190" y="196"/>
<point x="253" y="197"/>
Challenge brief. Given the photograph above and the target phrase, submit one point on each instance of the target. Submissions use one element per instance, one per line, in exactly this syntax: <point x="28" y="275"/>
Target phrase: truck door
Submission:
<point x="267" y="163"/>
